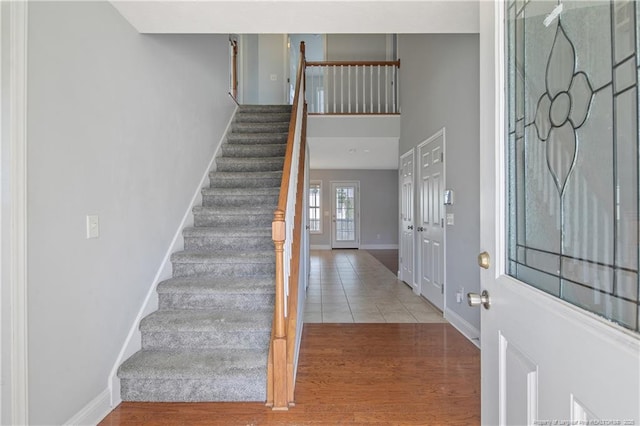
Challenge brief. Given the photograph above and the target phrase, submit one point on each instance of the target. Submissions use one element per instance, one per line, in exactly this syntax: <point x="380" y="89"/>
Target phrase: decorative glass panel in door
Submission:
<point x="572" y="123"/>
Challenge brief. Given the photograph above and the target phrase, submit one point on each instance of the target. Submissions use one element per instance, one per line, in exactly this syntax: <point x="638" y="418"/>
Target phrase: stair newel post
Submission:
<point x="280" y="339"/>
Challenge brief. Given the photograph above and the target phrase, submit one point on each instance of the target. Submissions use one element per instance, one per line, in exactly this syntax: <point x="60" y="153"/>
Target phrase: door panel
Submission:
<point x="345" y="203"/>
<point x="431" y="227"/>
<point x="406" y="219"/>
<point x="554" y="208"/>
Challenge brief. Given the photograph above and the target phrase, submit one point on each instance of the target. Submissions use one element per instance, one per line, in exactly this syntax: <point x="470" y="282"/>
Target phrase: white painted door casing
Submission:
<point x="345" y="214"/>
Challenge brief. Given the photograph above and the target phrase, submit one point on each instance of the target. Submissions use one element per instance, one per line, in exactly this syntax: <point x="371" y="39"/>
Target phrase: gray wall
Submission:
<point x="440" y="88"/>
<point x="356" y="47"/>
<point x="122" y="125"/>
<point x="378" y="204"/>
<point x="249" y="87"/>
<point x="263" y="55"/>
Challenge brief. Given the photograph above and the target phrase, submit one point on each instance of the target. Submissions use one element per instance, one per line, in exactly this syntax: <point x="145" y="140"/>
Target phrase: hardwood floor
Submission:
<point x="388" y="257"/>
<point x="426" y="374"/>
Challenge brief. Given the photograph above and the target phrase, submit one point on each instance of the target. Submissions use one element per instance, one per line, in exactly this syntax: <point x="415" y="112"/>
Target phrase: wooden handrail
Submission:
<point x="280" y="367"/>
<point x="352" y="63"/>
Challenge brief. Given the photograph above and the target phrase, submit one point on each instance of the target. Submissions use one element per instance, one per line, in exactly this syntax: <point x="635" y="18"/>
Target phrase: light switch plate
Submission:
<point x="449" y="218"/>
<point x="93" y="226"/>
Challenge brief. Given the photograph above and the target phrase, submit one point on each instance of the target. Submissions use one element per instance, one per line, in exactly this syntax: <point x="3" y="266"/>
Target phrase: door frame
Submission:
<point x="492" y="224"/>
<point x="14" y="358"/>
<point x="418" y="213"/>
<point x="412" y="282"/>
<point x="333" y="184"/>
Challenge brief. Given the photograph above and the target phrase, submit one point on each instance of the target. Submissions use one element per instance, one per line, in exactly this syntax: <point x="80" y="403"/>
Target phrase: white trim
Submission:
<point x="379" y="246"/>
<point x="463" y="326"/>
<point x="320" y="247"/>
<point x="92" y="413"/>
<point x="133" y="341"/>
<point x="18" y="211"/>
<point x="401" y="255"/>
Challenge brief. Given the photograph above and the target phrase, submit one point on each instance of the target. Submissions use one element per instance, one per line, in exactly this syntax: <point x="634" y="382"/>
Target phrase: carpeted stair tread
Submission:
<point x="213" y="285"/>
<point x="262" y="117"/>
<point x="206" y="320"/>
<point x="241" y="191"/>
<point x="269" y="179"/>
<point x="278" y="127"/>
<point x="197" y="256"/>
<point x="192" y="364"/>
<point x="250" y="164"/>
<point x="270" y="138"/>
<point x="253" y="150"/>
<point x="214" y="231"/>
<point x="264" y="108"/>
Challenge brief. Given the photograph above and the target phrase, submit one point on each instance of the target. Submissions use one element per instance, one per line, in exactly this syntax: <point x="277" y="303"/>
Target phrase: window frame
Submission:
<point x="317" y="183"/>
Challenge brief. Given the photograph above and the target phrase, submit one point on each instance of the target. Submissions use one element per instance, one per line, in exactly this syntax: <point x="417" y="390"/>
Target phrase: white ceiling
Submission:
<point x="301" y="16"/>
<point x="353" y="141"/>
<point x="353" y="153"/>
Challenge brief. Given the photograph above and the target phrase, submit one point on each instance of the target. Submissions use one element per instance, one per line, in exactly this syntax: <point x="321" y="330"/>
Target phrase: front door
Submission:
<point x="345" y="227"/>
<point x="559" y="212"/>
<point x="431" y="220"/>
<point x="406" y="219"/>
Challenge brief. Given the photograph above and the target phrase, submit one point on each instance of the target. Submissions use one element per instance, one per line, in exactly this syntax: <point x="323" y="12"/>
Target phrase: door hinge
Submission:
<point x="442" y="156"/>
<point x="442" y="289"/>
<point x="442" y="223"/>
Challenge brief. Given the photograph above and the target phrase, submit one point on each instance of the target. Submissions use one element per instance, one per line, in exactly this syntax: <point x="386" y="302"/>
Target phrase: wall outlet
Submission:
<point x="460" y="295"/>
<point x="273" y="77"/>
<point x="377" y="236"/>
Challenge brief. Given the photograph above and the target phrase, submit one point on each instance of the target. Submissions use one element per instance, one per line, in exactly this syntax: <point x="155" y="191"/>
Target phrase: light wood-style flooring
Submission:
<point x="384" y="374"/>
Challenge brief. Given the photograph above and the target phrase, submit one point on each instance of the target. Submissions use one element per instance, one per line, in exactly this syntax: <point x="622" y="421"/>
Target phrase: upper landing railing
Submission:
<point x="357" y="87"/>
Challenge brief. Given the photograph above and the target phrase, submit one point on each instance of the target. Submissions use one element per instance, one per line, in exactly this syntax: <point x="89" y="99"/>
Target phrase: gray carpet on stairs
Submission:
<point x="209" y="338"/>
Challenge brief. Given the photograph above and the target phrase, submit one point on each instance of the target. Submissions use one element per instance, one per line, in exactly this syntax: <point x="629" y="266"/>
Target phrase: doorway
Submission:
<point x="345" y="214"/>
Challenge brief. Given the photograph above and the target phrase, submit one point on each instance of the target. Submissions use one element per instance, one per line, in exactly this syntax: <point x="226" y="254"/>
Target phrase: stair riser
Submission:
<point x="263" y="150"/>
<point x="256" y="220"/>
<point x="260" y="127"/>
<point x="254" y="117"/>
<point x="223" y="269"/>
<point x="242" y="182"/>
<point x="228" y="165"/>
<point x="231" y="302"/>
<point x="250" y="388"/>
<point x="240" y="200"/>
<point x="216" y="242"/>
<point x="206" y="339"/>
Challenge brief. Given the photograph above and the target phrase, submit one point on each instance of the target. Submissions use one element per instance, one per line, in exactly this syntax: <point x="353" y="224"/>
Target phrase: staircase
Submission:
<point x="209" y="339"/>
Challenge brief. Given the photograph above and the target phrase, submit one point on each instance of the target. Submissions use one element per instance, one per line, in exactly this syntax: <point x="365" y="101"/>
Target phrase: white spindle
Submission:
<point x="386" y="89"/>
<point x="356" y="84"/>
<point x="334" y="89"/>
<point x="364" y="91"/>
<point x="341" y="88"/>
<point x="371" y="89"/>
<point x="379" y="111"/>
<point x="349" y="88"/>
<point x="313" y="90"/>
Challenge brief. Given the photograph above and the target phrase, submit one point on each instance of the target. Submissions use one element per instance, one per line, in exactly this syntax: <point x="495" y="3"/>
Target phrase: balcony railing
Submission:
<point x="361" y="87"/>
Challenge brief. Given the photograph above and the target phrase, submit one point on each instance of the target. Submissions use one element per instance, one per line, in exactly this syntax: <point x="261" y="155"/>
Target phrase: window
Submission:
<point x="315" y="195"/>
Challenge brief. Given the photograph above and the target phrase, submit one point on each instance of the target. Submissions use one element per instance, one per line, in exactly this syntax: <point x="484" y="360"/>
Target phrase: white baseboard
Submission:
<point x="379" y="246"/>
<point x="133" y="342"/>
<point x="463" y="326"/>
<point x="320" y="247"/>
<point x="92" y="413"/>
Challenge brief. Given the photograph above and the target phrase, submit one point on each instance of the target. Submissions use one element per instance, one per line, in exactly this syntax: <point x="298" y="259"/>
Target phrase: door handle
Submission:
<point x="420" y="229"/>
<point x="476" y="299"/>
<point x="410" y="227"/>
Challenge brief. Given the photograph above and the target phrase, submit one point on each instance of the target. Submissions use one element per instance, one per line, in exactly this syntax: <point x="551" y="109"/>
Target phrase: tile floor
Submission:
<point x="351" y="286"/>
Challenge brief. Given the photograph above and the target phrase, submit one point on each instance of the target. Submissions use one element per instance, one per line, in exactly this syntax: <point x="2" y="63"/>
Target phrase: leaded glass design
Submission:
<point x="572" y="155"/>
<point x="315" y="224"/>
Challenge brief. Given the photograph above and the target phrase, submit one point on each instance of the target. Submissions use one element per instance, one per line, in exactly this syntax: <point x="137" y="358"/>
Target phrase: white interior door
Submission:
<point x="407" y="241"/>
<point x="345" y="220"/>
<point x="559" y="213"/>
<point x="431" y="220"/>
